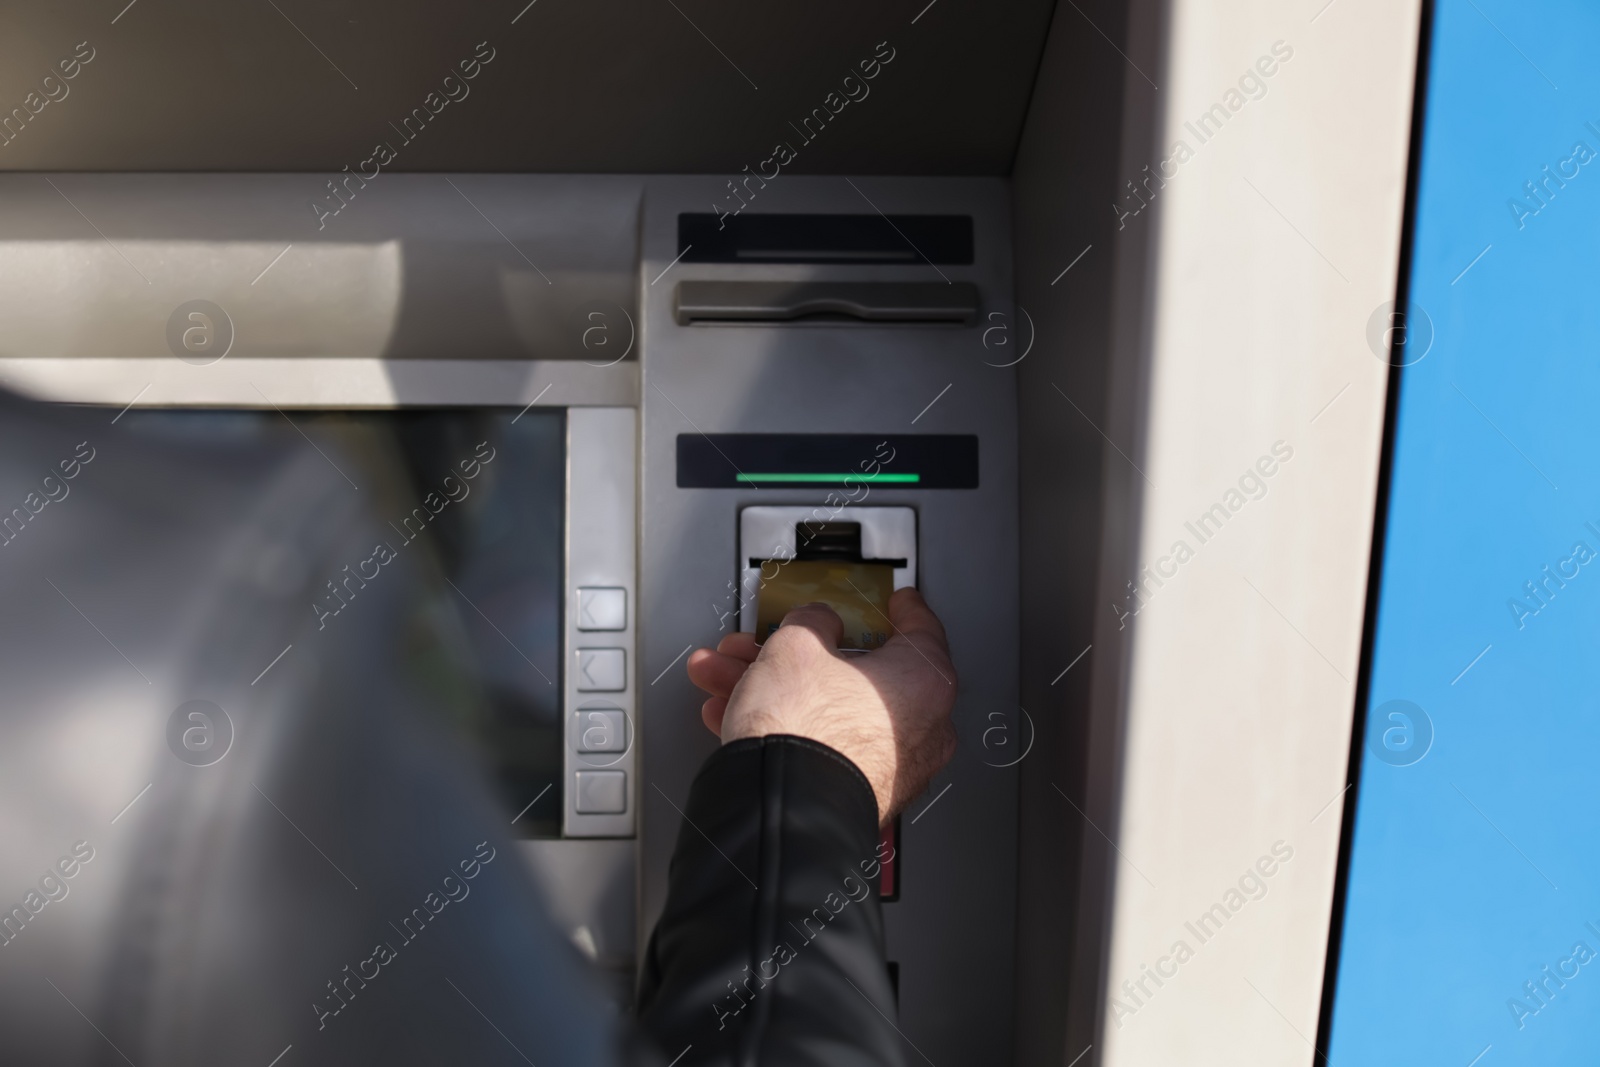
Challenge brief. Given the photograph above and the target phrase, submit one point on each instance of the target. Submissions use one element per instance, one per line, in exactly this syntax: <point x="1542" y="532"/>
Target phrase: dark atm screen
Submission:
<point x="484" y="629"/>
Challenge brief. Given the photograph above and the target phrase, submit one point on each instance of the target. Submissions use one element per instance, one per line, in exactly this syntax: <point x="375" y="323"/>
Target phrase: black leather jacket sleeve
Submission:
<point x="770" y="947"/>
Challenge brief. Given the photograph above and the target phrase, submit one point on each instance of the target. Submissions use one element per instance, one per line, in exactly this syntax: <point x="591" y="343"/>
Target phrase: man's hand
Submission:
<point x="887" y="710"/>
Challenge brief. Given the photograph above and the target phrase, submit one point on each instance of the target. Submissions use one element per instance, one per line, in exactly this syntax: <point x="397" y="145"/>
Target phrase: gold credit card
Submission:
<point x="859" y="592"/>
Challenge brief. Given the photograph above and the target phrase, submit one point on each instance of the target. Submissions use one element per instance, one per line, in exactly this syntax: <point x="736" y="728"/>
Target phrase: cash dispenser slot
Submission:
<point x="786" y="237"/>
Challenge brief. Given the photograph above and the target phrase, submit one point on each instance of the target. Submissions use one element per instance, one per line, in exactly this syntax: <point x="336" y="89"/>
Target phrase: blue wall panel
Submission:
<point x="1475" y="862"/>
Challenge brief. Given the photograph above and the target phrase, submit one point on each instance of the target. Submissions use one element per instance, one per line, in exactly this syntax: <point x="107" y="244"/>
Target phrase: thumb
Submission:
<point x="820" y="619"/>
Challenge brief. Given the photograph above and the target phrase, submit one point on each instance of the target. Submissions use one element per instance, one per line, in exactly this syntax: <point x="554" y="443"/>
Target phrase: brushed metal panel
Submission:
<point x="952" y="929"/>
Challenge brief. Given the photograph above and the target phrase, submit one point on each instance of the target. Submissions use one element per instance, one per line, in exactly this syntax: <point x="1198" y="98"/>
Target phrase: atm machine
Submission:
<point x="947" y="337"/>
<point x="830" y="375"/>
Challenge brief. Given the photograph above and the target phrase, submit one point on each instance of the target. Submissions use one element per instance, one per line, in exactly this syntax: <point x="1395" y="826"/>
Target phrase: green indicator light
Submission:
<point x="881" y="476"/>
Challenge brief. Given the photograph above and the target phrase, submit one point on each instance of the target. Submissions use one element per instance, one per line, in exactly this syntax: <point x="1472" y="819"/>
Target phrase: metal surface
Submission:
<point x="602" y="523"/>
<point x="412" y="267"/>
<point x="323" y="383"/>
<point x="589" y="887"/>
<point x="924" y="302"/>
<point x="951" y="932"/>
<point x="1080" y="284"/>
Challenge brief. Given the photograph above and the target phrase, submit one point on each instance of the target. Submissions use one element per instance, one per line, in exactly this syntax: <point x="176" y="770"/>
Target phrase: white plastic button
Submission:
<point x="602" y="670"/>
<point x="602" y="608"/>
<point x="602" y="730"/>
<point x="602" y="793"/>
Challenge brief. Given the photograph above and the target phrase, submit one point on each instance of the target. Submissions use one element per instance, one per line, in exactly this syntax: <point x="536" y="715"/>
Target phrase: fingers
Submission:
<point x="716" y="672"/>
<point x="820" y="620"/>
<point x="912" y="617"/>
<point x="740" y="645"/>
<point x="712" y="712"/>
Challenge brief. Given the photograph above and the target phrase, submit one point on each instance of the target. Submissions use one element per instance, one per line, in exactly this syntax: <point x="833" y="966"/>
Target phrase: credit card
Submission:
<point x="859" y="592"/>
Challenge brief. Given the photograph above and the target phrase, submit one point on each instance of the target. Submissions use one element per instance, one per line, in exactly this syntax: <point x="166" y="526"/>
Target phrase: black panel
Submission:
<point x="865" y="238"/>
<point x="827" y="460"/>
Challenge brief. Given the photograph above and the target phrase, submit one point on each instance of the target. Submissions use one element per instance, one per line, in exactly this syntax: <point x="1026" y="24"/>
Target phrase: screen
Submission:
<point x="496" y="544"/>
<point x="1470" y="927"/>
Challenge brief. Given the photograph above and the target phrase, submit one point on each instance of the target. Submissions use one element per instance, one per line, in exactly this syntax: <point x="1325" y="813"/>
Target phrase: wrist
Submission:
<point x="826" y="745"/>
